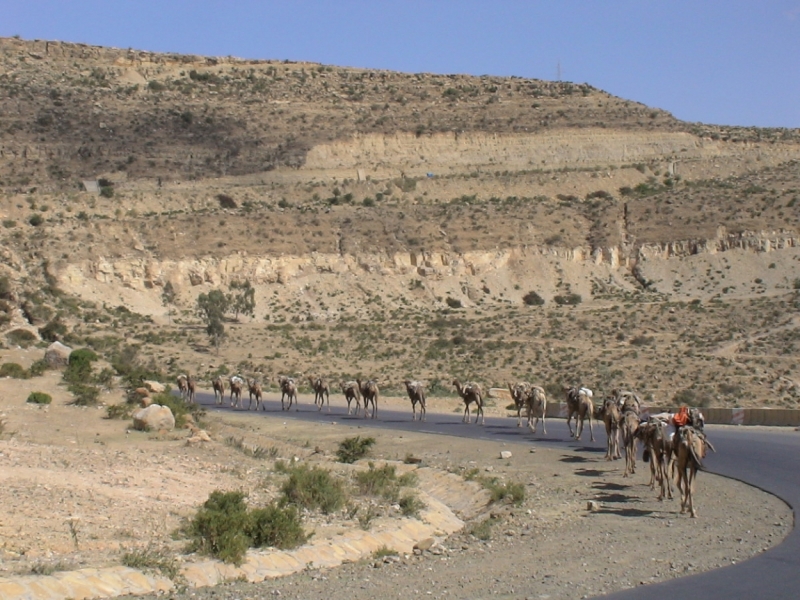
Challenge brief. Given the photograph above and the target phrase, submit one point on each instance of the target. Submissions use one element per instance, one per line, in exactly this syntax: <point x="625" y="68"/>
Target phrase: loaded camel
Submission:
<point x="254" y="388"/>
<point x="691" y="449"/>
<point x="470" y="392"/>
<point x="369" y="391"/>
<point x="288" y="389"/>
<point x="579" y="403"/>
<point x="416" y="393"/>
<point x="351" y="392"/>
<point x="237" y="384"/>
<point x="218" y="383"/>
<point x="320" y="387"/>
<point x="658" y="452"/>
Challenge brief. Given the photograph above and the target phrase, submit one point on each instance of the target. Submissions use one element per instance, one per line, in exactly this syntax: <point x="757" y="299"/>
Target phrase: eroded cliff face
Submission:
<point x="577" y="149"/>
<point x="329" y="285"/>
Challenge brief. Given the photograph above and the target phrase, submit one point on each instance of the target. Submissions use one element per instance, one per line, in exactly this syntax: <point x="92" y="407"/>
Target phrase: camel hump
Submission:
<point x="586" y="392"/>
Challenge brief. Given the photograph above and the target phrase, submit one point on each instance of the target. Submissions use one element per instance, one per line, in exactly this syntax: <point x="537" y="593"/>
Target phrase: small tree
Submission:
<point x="242" y="299"/>
<point x="211" y="308"/>
<point x="168" y="297"/>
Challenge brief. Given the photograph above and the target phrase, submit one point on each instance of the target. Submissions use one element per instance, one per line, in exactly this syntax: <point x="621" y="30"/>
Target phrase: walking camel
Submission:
<point x="288" y="389"/>
<point x="416" y="393"/>
<point x="191" y="388"/>
<point x="351" y="392"/>
<point x="254" y="389"/>
<point x="612" y="418"/>
<point x="218" y="383"/>
<point x="320" y="387"/>
<point x="536" y="401"/>
<point x="237" y="384"/>
<point x="579" y="403"/>
<point x="471" y="392"/>
<point x="519" y="394"/>
<point x="182" y="388"/>
<point x="369" y="391"/>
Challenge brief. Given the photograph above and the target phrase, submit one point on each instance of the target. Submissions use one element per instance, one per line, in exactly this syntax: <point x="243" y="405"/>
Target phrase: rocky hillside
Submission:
<point x="346" y="194"/>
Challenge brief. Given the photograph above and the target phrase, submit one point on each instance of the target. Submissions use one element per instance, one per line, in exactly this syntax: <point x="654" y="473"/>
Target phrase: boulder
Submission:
<point x="155" y="387"/>
<point x="154" y="418"/>
<point x="57" y="355"/>
<point x="505" y="454"/>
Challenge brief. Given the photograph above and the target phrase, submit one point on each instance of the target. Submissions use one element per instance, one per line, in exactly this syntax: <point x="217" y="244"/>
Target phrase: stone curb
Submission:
<point x="448" y="499"/>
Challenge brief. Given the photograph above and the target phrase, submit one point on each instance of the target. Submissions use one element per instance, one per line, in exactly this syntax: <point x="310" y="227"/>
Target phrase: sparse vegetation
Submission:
<point x="313" y="488"/>
<point x="352" y="449"/>
<point x="39" y="398"/>
<point x="224" y="527"/>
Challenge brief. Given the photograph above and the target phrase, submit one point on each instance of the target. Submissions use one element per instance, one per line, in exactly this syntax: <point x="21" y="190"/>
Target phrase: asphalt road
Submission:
<point x="768" y="459"/>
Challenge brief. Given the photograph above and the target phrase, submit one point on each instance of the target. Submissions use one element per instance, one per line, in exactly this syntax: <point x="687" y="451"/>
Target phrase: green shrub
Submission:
<point x="13" y="370"/>
<point x="384" y="551"/>
<point x="38" y="368"/>
<point x="276" y="526"/>
<point x="79" y="366"/>
<point x="533" y="299"/>
<point x="313" y="488"/>
<point x="568" y="299"/>
<point x="39" y="398"/>
<point x="225" y="529"/>
<point x="483" y="530"/>
<point x="410" y="505"/>
<point x="54" y="330"/>
<point x="453" y="302"/>
<point x="353" y="449"/>
<point x="152" y="559"/>
<point x="83" y="394"/>
<point x="219" y="528"/>
<point x="36" y="220"/>
<point x="383" y="481"/>
<point x="123" y="410"/>
<point x="21" y="337"/>
<point x="500" y="490"/>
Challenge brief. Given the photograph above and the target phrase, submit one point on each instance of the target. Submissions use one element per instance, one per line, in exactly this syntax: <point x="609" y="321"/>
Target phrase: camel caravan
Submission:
<point x="674" y="446"/>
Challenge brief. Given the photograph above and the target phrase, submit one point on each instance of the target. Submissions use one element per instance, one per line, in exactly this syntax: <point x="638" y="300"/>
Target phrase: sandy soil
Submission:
<point x="79" y="490"/>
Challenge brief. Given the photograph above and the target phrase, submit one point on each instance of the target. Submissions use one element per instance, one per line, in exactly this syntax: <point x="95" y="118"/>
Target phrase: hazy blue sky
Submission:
<point x="733" y="62"/>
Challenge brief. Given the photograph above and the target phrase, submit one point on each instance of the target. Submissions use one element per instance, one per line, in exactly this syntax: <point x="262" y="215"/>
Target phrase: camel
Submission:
<point x="254" y="388"/>
<point x="629" y="427"/>
<point x="519" y="394"/>
<point x="626" y="400"/>
<point x="691" y="449"/>
<point x="182" y="389"/>
<point x="288" y="389"/>
<point x="536" y="401"/>
<point x="579" y="403"/>
<point x="471" y="392"/>
<point x="416" y="393"/>
<point x="612" y="418"/>
<point x="320" y="387"/>
<point x="219" y="389"/>
<point x="236" y="383"/>
<point x="658" y="451"/>
<point x="191" y="388"/>
<point x="351" y="392"/>
<point x="369" y="391"/>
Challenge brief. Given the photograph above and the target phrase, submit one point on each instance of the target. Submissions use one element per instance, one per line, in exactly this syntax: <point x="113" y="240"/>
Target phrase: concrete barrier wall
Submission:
<point x="721" y="416"/>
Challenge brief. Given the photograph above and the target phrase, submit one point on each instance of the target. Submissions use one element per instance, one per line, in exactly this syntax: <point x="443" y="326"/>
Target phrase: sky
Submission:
<point x="724" y="62"/>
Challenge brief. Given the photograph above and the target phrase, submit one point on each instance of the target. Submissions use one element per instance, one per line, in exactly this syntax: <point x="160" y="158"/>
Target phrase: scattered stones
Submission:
<point x="592" y="506"/>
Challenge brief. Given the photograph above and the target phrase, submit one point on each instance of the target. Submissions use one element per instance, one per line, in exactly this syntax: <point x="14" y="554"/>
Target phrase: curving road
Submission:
<point x="768" y="459"/>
